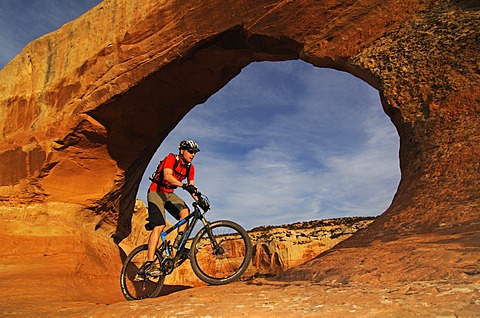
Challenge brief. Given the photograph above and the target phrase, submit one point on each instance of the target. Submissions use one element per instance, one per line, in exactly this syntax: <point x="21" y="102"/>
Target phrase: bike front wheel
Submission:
<point x="134" y="282"/>
<point x="221" y="252"/>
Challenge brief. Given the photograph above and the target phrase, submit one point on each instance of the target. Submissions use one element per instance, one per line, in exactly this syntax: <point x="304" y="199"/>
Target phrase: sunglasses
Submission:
<point x="191" y="151"/>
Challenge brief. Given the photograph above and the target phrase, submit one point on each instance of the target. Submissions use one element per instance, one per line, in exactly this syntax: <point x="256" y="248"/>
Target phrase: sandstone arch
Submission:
<point x="81" y="119"/>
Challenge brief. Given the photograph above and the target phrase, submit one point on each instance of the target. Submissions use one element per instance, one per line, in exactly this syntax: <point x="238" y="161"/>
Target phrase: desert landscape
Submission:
<point x="81" y="119"/>
<point x="58" y="271"/>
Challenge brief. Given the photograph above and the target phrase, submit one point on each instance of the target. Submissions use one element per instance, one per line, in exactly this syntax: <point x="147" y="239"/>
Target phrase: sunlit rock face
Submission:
<point x="84" y="109"/>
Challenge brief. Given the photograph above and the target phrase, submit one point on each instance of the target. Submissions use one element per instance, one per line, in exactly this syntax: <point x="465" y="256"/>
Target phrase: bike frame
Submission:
<point x="196" y="215"/>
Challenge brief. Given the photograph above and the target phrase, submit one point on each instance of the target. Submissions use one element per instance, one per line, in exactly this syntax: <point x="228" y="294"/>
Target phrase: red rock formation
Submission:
<point x="277" y="249"/>
<point x="84" y="108"/>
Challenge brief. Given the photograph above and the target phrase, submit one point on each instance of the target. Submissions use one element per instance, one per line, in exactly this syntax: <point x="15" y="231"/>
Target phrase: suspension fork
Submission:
<point x="217" y="249"/>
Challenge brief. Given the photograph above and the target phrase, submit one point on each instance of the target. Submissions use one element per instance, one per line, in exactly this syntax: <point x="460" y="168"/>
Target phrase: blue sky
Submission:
<point x="283" y="142"/>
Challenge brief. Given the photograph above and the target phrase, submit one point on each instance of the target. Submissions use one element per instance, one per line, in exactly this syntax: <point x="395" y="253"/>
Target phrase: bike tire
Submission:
<point x="221" y="268"/>
<point x="137" y="286"/>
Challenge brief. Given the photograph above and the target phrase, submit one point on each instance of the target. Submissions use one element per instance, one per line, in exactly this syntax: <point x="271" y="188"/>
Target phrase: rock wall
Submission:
<point x="277" y="249"/>
<point x="81" y="107"/>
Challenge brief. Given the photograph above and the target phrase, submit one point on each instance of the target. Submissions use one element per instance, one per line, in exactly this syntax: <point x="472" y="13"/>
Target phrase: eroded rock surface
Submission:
<point x="83" y="110"/>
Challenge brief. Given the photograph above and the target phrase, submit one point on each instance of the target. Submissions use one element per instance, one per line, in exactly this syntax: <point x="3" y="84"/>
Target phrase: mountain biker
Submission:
<point x="169" y="175"/>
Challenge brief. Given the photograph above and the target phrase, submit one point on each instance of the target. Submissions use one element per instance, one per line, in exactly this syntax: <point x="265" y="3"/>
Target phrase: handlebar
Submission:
<point x="202" y="201"/>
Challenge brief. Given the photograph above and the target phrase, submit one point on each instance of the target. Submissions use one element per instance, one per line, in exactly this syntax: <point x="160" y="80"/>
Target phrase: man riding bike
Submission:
<point x="169" y="175"/>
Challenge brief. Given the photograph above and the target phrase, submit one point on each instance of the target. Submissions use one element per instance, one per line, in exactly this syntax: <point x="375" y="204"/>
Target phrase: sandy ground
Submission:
<point x="72" y="274"/>
<point x="267" y="298"/>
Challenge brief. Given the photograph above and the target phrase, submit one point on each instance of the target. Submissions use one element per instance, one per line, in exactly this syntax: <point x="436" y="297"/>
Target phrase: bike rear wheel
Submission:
<point x="223" y="259"/>
<point x="134" y="282"/>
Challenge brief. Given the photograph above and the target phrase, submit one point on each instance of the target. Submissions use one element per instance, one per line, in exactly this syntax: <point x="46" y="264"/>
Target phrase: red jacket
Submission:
<point x="179" y="170"/>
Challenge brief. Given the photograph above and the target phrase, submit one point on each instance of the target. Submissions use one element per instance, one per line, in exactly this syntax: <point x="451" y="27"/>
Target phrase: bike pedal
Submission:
<point x="139" y="278"/>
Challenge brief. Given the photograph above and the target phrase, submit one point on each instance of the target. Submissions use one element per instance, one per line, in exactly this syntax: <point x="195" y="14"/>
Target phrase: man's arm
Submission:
<point x="168" y="176"/>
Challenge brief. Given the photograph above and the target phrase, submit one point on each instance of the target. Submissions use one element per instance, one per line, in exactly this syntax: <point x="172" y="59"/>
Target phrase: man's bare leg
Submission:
<point x="183" y="214"/>
<point x="153" y="241"/>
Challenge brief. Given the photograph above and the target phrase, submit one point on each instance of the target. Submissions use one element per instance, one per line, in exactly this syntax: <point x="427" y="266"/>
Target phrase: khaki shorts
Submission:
<point x="158" y="202"/>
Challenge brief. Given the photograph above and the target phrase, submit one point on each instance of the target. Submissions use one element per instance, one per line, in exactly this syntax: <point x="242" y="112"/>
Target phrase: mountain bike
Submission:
<point x="219" y="254"/>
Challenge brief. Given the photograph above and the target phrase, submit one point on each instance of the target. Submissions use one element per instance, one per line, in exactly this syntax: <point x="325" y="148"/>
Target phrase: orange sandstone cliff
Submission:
<point x="81" y="110"/>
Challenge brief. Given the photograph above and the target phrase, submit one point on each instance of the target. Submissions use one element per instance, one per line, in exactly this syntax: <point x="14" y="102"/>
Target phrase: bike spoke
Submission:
<point x="225" y="257"/>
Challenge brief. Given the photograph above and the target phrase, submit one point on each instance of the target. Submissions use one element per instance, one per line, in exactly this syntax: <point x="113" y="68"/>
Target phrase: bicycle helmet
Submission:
<point x="188" y="145"/>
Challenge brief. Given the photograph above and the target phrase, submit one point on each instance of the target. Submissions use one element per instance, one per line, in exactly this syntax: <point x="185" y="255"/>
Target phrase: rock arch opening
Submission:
<point x="287" y="142"/>
<point x="138" y="121"/>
